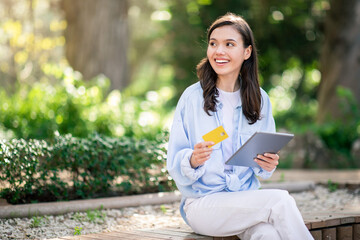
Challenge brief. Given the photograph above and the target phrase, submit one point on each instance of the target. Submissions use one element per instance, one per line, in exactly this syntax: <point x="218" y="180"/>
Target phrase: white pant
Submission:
<point x="254" y="214"/>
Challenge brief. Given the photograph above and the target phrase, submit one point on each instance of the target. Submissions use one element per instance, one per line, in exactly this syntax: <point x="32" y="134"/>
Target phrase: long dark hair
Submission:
<point x="248" y="78"/>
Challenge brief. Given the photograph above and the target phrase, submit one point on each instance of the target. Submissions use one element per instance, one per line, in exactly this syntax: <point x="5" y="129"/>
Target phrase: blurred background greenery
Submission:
<point x="118" y="67"/>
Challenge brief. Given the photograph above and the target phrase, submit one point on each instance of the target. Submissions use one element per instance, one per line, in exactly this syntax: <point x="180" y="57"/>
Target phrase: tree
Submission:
<point x="97" y="39"/>
<point x="287" y="33"/>
<point x="340" y="58"/>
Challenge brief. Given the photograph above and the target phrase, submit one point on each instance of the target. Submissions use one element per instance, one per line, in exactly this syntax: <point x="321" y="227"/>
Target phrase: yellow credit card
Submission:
<point x="217" y="135"/>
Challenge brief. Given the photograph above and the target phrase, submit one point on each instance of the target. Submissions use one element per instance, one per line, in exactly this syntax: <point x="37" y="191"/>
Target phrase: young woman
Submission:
<point x="218" y="199"/>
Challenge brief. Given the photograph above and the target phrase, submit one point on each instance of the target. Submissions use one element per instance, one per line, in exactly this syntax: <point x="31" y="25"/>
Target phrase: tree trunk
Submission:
<point x="340" y="59"/>
<point x="97" y="38"/>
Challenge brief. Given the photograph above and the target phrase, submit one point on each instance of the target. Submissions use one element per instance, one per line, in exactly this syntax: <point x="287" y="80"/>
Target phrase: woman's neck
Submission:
<point x="227" y="85"/>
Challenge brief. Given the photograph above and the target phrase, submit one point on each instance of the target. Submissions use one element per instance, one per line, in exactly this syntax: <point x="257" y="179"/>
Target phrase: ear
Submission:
<point x="248" y="51"/>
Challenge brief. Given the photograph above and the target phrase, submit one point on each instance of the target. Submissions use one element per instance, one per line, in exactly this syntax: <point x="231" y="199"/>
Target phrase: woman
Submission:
<point x="218" y="199"/>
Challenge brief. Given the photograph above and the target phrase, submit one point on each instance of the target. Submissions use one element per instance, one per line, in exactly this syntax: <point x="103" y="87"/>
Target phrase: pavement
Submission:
<point x="292" y="180"/>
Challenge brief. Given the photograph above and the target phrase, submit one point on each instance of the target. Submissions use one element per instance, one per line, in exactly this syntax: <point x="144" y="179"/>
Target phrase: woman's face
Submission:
<point x="226" y="52"/>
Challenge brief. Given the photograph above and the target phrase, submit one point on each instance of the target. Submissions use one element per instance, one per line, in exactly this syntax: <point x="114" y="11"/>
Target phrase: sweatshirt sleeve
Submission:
<point x="268" y="125"/>
<point x="180" y="151"/>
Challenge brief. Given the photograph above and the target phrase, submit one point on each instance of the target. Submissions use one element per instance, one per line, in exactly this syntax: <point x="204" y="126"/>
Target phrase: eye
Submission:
<point x="230" y="44"/>
<point x="212" y="44"/>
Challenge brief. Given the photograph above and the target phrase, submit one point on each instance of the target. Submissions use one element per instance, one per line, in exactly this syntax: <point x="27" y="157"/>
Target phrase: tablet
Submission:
<point x="259" y="143"/>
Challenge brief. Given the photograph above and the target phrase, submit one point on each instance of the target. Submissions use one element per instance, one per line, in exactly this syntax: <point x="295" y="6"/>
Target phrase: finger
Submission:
<point x="203" y="151"/>
<point x="268" y="167"/>
<point x="265" y="164"/>
<point x="262" y="163"/>
<point x="208" y="144"/>
<point x="263" y="158"/>
<point x="203" y="144"/>
<point x="267" y="159"/>
<point x="272" y="155"/>
<point x="202" y="155"/>
<point x="203" y="160"/>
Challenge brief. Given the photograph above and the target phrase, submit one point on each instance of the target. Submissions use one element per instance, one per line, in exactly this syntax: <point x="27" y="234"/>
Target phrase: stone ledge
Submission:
<point x="58" y="208"/>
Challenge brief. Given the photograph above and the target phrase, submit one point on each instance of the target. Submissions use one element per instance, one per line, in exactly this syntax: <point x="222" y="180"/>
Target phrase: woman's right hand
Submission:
<point x="200" y="154"/>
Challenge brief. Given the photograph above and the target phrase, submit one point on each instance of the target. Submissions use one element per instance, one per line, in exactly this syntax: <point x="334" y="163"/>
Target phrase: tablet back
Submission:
<point x="259" y="143"/>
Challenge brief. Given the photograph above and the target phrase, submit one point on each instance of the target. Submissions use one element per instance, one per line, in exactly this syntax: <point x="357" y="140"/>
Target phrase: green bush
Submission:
<point x="80" y="108"/>
<point x="77" y="168"/>
<point x="340" y="134"/>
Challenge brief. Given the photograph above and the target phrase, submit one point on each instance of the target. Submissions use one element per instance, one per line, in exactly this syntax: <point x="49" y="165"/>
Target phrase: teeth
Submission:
<point x="221" y="61"/>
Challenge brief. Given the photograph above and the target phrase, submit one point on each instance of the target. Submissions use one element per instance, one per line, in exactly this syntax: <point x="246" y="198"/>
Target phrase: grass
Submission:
<point x="163" y="209"/>
<point x="93" y="216"/>
<point x="96" y="215"/>
<point x="332" y="186"/>
<point x="36" y="221"/>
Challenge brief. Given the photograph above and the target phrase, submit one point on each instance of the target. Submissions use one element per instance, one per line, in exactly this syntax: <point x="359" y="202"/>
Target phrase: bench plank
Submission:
<point x="176" y="234"/>
<point x="356" y="231"/>
<point x="226" y="238"/>
<point x="317" y="234"/>
<point x="344" y="233"/>
<point x="329" y="233"/>
<point x="129" y="236"/>
<point x="318" y="220"/>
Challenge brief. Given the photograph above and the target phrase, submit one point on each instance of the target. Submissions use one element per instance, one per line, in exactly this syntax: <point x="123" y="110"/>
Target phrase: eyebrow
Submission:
<point x="229" y="39"/>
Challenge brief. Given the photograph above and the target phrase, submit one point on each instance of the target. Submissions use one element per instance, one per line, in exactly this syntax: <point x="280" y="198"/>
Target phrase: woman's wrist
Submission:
<point x="192" y="164"/>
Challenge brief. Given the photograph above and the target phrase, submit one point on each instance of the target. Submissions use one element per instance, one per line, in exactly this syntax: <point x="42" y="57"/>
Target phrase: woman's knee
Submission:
<point x="278" y="195"/>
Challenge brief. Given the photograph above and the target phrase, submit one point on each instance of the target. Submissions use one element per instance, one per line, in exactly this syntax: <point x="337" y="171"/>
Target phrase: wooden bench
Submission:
<point x="335" y="225"/>
<point x="322" y="225"/>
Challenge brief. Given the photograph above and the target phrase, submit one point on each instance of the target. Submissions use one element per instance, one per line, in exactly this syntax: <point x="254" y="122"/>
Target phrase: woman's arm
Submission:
<point x="181" y="155"/>
<point x="268" y="161"/>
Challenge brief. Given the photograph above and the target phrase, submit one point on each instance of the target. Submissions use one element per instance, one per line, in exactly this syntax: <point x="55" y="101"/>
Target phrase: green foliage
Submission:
<point x="80" y="108"/>
<point x="340" y="134"/>
<point x="30" y="38"/>
<point x="332" y="186"/>
<point x="78" y="217"/>
<point x="286" y="162"/>
<point x="163" y="209"/>
<point x="337" y="134"/>
<point x="76" y="168"/>
<point x="300" y="21"/>
<point x="282" y="177"/>
<point x="77" y="231"/>
<point x="36" y="221"/>
<point x="95" y="216"/>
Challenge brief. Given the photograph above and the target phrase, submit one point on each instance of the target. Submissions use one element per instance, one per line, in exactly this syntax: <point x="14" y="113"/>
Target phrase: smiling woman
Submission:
<point x="220" y="199"/>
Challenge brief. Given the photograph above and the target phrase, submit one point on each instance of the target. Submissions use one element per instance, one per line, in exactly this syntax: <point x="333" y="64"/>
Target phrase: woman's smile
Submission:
<point x="221" y="61"/>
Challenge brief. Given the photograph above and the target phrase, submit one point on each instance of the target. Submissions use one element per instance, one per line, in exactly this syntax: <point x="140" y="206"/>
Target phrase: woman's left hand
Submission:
<point x="268" y="161"/>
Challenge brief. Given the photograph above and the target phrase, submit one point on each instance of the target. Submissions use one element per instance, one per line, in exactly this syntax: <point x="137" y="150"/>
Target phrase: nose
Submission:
<point x="220" y="50"/>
